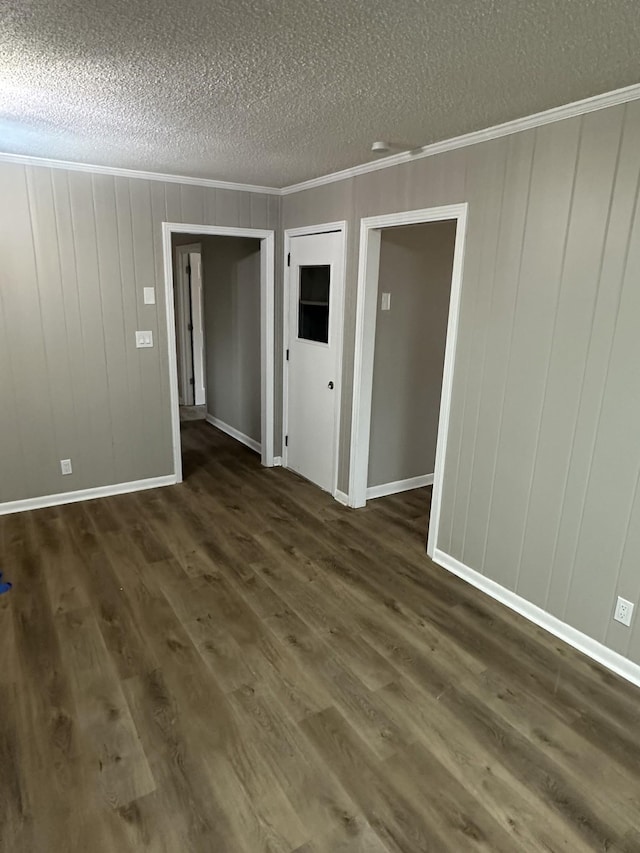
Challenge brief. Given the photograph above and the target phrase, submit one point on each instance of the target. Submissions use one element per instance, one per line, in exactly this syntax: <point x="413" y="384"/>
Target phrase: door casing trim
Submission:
<point x="366" y="308"/>
<point x="267" y="317"/>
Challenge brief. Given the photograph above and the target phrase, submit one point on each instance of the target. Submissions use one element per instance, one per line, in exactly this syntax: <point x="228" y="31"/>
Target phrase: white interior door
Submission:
<point x="314" y="342"/>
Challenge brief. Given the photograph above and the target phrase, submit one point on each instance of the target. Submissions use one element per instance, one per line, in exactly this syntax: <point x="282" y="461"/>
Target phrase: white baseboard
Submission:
<point x="617" y="663"/>
<point x="399" y="486"/>
<point x="277" y="461"/>
<point x="86" y="494"/>
<point x="341" y="497"/>
<point x="234" y="433"/>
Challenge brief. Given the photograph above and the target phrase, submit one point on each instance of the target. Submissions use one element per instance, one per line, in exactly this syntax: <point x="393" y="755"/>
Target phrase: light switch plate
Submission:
<point x="144" y="339"/>
<point x="385" y="302"/>
<point x="149" y="295"/>
<point x="65" y="466"/>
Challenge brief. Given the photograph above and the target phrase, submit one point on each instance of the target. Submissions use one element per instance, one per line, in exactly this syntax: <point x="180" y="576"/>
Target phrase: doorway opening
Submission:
<point x="312" y="367"/>
<point x="219" y="296"/>
<point x="188" y="299"/>
<point x="409" y="283"/>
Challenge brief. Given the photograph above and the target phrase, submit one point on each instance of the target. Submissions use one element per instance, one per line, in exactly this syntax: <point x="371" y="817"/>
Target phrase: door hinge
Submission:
<point x="192" y="381"/>
<point x="286" y="441"/>
<point x="287" y="355"/>
<point x="190" y="327"/>
<point x="188" y="269"/>
<point x="289" y="259"/>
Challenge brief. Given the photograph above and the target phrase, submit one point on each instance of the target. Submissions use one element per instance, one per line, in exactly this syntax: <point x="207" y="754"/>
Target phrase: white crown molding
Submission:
<point x="29" y="504"/>
<point x="614" y="661"/>
<point x="28" y="160"/>
<point x="577" y="108"/>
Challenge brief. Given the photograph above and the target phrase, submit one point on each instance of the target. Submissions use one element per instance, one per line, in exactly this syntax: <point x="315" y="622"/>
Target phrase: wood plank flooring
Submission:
<point x="239" y="664"/>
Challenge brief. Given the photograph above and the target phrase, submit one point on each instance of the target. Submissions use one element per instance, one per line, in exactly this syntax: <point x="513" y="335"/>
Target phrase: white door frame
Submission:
<point x="303" y="231"/>
<point x="267" y="288"/>
<point x="366" y="312"/>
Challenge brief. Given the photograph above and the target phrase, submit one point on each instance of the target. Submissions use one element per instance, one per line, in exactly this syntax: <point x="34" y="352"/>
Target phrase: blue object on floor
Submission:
<point x="4" y="585"/>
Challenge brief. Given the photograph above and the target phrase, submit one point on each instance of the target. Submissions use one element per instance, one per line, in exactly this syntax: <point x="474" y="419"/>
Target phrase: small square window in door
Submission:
<point x="313" y="304"/>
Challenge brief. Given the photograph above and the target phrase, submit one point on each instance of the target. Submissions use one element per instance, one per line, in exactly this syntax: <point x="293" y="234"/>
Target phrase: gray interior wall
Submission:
<point x="416" y="264"/>
<point x="543" y="457"/>
<point x="76" y="250"/>
<point x="231" y="283"/>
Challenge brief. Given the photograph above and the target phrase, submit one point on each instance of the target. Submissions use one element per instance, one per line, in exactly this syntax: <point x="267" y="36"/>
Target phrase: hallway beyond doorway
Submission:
<point x="193" y="413"/>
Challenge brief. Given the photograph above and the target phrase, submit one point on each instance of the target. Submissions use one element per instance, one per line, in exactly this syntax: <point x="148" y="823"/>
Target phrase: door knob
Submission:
<point x="331" y="386"/>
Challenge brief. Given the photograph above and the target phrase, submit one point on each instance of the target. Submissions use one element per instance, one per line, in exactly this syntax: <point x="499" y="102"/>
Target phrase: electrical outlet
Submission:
<point x="144" y="339"/>
<point x="624" y="611"/>
<point x="65" y="466"/>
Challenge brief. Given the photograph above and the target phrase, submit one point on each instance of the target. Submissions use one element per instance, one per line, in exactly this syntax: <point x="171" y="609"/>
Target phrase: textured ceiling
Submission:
<point x="278" y="91"/>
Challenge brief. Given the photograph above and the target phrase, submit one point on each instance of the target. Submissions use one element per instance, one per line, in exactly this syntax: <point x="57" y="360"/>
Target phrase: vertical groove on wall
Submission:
<point x="572" y="443"/>
<point x="492" y="291"/>
<point x="65" y="322"/>
<point x="101" y="298"/>
<point x="600" y="410"/>
<point x="131" y="307"/>
<point x="492" y="186"/>
<point x="37" y="238"/>
<point x="509" y="238"/>
<point x="152" y="281"/>
<point x="596" y="428"/>
<point x="482" y="563"/>
<point x="533" y="325"/>
<point x="462" y="368"/>
<point x="129" y="364"/>
<point x="554" y="327"/>
<point x="82" y="380"/>
<point x="14" y="438"/>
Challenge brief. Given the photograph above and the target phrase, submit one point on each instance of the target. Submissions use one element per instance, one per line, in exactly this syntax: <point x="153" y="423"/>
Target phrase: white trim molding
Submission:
<point x="613" y="661"/>
<point x="366" y="312"/>
<point x="398" y="486"/>
<point x="114" y="171"/>
<point x="267" y="319"/>
<point x="234" y="433"/>
<point x="303" y="231"/>
<point x="29" y="504"/>
<point x="576" y="108"/>
<point x="341" y="497"/>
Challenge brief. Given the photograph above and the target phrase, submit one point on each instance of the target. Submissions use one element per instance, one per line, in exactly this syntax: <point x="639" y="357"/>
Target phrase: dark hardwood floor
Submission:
<point x="239" y="664"/>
